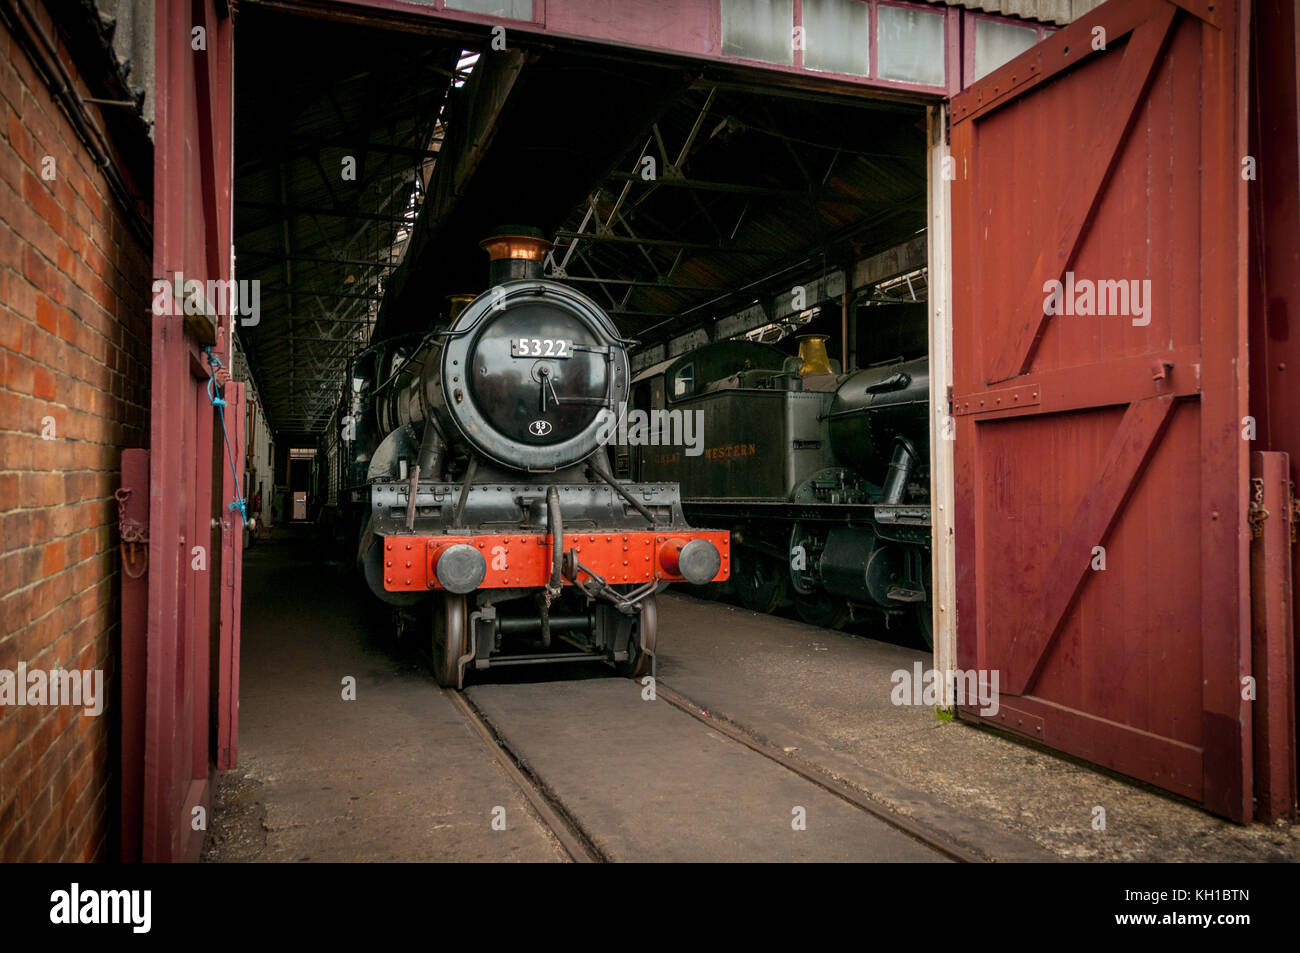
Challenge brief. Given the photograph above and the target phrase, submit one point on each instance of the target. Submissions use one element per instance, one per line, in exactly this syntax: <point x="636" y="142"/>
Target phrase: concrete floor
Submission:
<point x="650" y="783"/>
<point x="827" y="695"/>
<point x="398" y="775"/>
<point x="394" y="775"/>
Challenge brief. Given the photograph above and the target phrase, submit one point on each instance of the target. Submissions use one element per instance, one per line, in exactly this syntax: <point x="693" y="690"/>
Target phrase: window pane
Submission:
<point x="911" y="45"/>
<point x="512" y="9"/>
<point x="759" y="30"/>
<point x="836" y="36"/>
<point x="998" y="43"/>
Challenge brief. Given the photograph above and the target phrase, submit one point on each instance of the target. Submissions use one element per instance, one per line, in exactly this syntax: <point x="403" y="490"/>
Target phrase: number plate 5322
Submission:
<point x="540" y="347"/>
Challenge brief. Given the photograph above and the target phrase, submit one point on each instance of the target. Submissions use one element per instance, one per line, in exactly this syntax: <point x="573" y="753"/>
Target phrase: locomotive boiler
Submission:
<point x="488" y="503"/>
<point x="822" y="477"/>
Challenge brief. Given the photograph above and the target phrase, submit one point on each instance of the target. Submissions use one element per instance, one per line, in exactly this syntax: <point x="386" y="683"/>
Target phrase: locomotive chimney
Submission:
<point x="515" y="251"/>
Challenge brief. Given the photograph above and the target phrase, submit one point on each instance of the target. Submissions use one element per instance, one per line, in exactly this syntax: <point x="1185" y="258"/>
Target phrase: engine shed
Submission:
<point x="959" y="329"/>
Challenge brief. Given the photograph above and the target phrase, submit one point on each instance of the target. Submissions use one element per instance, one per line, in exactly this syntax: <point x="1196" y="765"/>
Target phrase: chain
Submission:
<point x="135" y="537"/>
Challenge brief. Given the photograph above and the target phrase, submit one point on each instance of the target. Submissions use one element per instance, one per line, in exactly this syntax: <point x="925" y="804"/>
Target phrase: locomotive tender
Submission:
<point x="822" y="477"/>
<point x="474" y="478"/>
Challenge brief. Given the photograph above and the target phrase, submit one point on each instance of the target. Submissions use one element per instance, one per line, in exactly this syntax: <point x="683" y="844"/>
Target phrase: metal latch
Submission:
<point x="135" y="537"/>
<point x="1256" y="514"/>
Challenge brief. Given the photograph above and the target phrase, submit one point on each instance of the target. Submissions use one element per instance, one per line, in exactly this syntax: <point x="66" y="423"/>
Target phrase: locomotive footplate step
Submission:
<point x="647" y="782"/>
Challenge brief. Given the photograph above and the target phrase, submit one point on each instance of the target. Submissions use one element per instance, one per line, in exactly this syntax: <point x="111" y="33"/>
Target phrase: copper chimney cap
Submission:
<point x="516" y="245"/>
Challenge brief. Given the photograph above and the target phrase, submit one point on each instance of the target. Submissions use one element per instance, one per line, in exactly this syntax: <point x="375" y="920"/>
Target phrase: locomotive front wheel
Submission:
<point x="760" y="582"/>
<point x="640" y="662"/>
<point x="449" y="639"/>
<point x="822" y="610"/>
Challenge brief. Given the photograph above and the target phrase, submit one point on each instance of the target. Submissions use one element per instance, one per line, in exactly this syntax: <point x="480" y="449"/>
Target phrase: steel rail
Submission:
<point x="579" y="844"/>
<point x="573" y="840"/>
<point x="814" y="775"/>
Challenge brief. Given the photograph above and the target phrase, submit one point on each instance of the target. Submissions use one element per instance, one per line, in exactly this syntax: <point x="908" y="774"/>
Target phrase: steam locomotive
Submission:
<point x="822" y="477"/>
<point x="474" y="476"/>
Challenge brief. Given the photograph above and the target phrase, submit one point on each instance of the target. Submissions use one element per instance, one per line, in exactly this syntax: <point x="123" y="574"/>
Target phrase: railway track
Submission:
<point x="574" y="841"/>
<point x="581" y="844"/>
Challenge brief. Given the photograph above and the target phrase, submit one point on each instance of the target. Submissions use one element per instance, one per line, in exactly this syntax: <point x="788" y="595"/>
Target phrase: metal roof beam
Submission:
<point x="288" y="209"/>
<point x="665" y="285"/>
<point x="701" y="185"/>
<point x="318" y="259"/>
<point x="280" y="289"/>
<point x="660" y="243"/>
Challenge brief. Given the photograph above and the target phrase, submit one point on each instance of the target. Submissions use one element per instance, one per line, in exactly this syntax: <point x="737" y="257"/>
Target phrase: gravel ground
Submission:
<point x="238" y="831"/>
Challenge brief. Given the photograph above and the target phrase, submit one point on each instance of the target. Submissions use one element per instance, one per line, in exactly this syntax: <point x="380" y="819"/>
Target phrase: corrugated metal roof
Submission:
<point x="1059" y="12"/>
<point x="332" y="132"/>
<point x="773" y="190"/>
<point x="129" y="24"/>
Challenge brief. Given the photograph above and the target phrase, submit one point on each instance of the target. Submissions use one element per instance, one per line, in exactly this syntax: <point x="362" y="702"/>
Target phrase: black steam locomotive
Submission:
<point x="474" y="475"/>
<point x="822" y="477"/>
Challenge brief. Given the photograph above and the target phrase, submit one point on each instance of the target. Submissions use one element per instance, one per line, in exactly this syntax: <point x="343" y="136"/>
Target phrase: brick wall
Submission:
<point x="74" y="351"/>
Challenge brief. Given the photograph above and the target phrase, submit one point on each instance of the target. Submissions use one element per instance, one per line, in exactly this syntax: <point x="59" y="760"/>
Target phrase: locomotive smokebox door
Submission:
<point x="531" y="372"/>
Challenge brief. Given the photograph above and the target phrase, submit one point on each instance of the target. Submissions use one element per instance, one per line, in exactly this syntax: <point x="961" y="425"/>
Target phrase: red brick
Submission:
<point x="38" y="195"/>
<point x="38" y="271"/>
<point x="43" y="383"/>
<point x="20" y="138"/>
<point x="53" y="559"/>
<point x="18" y="373"/>
<point x="47" y="314"/>
<point x="69" y="328"/>
<point x="65" y="258"/>
<point x="22" y="302"/>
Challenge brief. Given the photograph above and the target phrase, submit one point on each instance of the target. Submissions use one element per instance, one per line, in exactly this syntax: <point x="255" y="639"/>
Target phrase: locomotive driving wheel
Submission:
<point x="760" y="582"/>
<point x="823" y="610"/>
<point x="641" y="661"/>
<point x="449" y="639"/>
<point x="925" y="623"/>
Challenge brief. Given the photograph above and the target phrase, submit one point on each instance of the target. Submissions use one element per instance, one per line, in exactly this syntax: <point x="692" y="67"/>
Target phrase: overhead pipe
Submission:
<point x="44" y="55"/>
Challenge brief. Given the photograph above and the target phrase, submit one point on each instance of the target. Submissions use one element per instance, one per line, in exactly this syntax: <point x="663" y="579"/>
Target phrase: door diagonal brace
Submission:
<point x="1128" y="90"/>
<point x="1130" y="449"/>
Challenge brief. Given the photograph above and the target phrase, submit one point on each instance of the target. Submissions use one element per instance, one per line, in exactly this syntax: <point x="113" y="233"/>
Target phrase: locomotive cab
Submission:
<point x="823" y="479"/>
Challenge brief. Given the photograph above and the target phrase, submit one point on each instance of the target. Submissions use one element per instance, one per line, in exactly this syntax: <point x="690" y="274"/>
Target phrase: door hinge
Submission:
<point x="1256" y="514"/>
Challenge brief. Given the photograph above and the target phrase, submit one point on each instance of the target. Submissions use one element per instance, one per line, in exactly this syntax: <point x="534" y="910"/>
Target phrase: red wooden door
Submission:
<point x="192" y="623"/>
<point x="1101" y="474"/>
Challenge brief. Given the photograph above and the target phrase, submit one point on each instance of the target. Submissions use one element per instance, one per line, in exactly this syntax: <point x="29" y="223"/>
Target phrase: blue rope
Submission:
<point x="241" y="503"/>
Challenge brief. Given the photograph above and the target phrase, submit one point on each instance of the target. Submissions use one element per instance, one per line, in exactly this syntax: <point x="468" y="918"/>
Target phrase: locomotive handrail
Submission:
<point x="556" y="519"/>
<point x="859" y="410"/>
<point x="636" y="504"/>
<point x="614" y="338"/>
